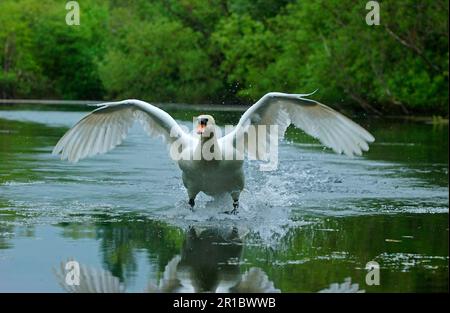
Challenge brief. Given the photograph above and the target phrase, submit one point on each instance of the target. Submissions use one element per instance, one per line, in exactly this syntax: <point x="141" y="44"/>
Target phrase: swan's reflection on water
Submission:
<point x="209" y="261"/>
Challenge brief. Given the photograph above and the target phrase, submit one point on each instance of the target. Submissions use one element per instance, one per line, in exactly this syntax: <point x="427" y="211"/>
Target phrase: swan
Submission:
<point x="215" y="173"/>
<point x="191" y="270"/>
<point x="92" y="280"/>
<point x="254" y="280"/>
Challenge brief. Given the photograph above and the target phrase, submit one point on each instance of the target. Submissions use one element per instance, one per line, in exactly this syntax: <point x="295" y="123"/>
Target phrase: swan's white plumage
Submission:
<point x="345" y="287"/>
<point x="90" y="281"/>
<point x="331" y="128"/>
<point x="254" y="280"/>
<point x="107" y="126"/>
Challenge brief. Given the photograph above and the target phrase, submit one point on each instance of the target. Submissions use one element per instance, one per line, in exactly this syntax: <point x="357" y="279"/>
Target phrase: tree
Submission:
<point x="160" y="61"/>
<point x="229" y="51"/>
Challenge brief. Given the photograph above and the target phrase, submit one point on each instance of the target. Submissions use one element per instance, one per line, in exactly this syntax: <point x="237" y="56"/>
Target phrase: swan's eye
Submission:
<point x="203" y="121"/>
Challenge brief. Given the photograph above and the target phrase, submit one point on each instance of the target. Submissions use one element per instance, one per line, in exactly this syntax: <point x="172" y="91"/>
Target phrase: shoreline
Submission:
<point x="86" y="104"/>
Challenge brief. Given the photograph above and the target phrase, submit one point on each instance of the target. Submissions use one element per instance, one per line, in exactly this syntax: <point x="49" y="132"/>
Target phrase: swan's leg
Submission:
<point x="191" y="188"/>
<point x="192" y="196"/>
<point x="235" y="197"/>
<point x="235" y="206"/>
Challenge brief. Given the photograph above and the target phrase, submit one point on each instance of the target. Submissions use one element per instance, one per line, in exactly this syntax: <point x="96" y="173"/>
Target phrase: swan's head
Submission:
<point x="205" y="124"/>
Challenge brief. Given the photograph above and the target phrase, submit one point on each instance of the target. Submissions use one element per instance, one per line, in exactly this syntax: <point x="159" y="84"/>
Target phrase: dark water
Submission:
<point x="317" y="220"/>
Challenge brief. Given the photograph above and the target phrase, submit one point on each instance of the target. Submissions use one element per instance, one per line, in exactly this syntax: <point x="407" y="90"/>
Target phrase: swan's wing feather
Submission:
<point x="345" y="287"/>
<point x="107" y="126"/>
<point x="169" y="282"/>
<point x="330" y="127"/>
<point x="90" y="281"/>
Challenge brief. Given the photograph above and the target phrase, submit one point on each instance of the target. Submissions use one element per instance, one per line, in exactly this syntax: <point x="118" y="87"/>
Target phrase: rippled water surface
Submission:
<point x="317" y="220"/>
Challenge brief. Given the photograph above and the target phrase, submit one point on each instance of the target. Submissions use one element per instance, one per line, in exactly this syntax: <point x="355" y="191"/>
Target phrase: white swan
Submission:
<point x="106" y="127"/>
<point x="92" y="280"/>
<point x="255" y="280"/>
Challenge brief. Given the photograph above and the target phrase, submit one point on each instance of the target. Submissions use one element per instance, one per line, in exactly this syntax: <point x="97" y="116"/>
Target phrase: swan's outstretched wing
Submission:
<point x="90" y="281"/>
<point x="345" y="287"/>
<point x="169" y="281"/>
<point x="106" y="127"/>
<point x="331" y="128"/>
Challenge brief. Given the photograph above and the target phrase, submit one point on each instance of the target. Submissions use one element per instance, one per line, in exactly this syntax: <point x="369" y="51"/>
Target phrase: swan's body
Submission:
<point x="212" y="177"/>
<point x="106" y="127"/>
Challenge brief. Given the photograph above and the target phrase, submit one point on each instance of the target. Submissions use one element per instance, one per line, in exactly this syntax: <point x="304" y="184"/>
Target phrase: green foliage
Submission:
<point x="20" y="74"/>
<point x="229" y="50"/>
<point x="167" y="64"/>
<point x="395" y="67"/>
<point x="68" y="54"/>
<point x="247" y="48"/>
<point x="42" y="56"/>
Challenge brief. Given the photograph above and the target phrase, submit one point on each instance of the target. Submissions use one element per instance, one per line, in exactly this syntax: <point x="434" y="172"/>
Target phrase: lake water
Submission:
<point x="319" y="219"/>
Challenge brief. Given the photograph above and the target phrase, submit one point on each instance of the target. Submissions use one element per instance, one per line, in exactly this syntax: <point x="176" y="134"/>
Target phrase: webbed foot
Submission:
<point x="235" y="208"/>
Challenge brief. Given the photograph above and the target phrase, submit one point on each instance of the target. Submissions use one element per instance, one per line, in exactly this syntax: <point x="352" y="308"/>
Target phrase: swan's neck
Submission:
<point x="208" y="148"/>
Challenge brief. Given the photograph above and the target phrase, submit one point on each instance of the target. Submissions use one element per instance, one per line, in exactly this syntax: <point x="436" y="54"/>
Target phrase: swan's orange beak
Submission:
<point x="201" y="128"/>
